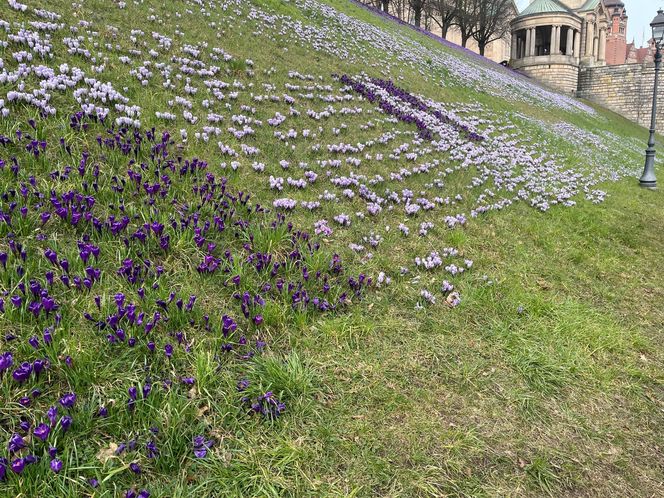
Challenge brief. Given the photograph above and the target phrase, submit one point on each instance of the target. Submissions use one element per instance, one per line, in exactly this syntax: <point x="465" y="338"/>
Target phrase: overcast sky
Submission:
<point x="640" y="12"/>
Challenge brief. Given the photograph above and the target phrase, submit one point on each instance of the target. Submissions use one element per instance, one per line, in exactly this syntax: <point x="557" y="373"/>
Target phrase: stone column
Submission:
<point x="590" y="37"/>
<point x="596" y="47"/>
<point x="569" y="47"/>
<point x="552" y="46"/>
<point x="527" y="47"/>
<point x="601" y="56"/>
<point x="577" y="44"/>
<point x="582" y="42"/>
<point x="533" y="41"/>
<point x="513" y="53"/>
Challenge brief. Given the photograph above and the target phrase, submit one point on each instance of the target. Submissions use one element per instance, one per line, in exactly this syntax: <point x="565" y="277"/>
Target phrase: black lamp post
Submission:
<point x="648" y="179"/>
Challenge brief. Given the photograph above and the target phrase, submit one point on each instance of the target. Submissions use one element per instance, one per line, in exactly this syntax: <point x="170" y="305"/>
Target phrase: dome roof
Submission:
<point x="589" y="5"/>
<point x="544" y="7"/>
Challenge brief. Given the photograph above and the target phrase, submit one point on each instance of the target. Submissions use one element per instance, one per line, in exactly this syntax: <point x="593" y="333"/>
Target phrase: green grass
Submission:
<point x="546" y="381"/>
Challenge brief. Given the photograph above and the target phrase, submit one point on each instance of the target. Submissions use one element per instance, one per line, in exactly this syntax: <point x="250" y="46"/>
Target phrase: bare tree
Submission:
<point x="492" y="21"/>
<point x="417" y="7"/>
<point x="443" y="13"/>
<point x="398" y="8"/>
<point x="466" y="18"/>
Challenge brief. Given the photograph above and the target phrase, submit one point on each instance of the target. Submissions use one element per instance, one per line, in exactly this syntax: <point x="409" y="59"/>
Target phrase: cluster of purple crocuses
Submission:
<point x="67" y="246"/>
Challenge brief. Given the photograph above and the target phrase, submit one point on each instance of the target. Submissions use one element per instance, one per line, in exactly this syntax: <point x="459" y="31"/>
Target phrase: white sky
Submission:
<point x="640" y="13"/>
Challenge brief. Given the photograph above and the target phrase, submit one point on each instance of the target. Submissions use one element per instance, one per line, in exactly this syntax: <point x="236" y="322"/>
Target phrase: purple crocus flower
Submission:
<point x="201" y="446"/>
<point x="151" y="446"/>
<point x="38" y="365"/>
<point x="119" y="299"/>
<point x="65" y="423"/>
<point x="18" y="465"/>
<point x="56" y="465"/>
<point x="16" y="443"/>
<point x="22" y="373"/>
<point x="6" y="360"/>
<point x="42" y="431"/>
<point x="52" y="415"/>
<point x="68" y="400"/>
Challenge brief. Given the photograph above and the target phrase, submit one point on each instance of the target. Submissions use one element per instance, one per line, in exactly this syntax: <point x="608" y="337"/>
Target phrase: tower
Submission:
<point x="616" y="39"/>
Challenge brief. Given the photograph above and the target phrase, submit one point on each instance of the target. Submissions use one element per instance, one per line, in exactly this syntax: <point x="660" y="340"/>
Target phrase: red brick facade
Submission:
<point x="616" y="37"/>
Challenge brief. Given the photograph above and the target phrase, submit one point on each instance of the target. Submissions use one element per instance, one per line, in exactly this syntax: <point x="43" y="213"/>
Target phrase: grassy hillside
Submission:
<point x="286" y="247"/>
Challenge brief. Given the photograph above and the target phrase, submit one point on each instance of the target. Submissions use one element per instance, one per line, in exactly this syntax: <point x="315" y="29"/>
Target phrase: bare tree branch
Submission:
<point x="443" y="13"/>
<point x="493" y="21"/>
<point x="417" y="7"/>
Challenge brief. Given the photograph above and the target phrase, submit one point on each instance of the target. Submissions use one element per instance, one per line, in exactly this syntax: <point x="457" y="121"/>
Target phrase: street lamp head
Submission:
<point x="657" y="26"/>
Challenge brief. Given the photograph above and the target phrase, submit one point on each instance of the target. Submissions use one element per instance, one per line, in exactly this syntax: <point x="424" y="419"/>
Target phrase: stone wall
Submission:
<point x="562" y="77"/>
<point x="626" y="89"/>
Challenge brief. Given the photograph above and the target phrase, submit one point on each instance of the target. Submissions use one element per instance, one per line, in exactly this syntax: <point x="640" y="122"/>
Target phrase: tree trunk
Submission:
<point x="418" y="17"/>
<point x="386" y="5"/>
<point x="481" y="47"/>
<point x="464" y="39"/>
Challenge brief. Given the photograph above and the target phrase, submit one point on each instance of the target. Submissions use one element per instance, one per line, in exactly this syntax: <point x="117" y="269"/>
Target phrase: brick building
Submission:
<point x="616" y="36"/>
